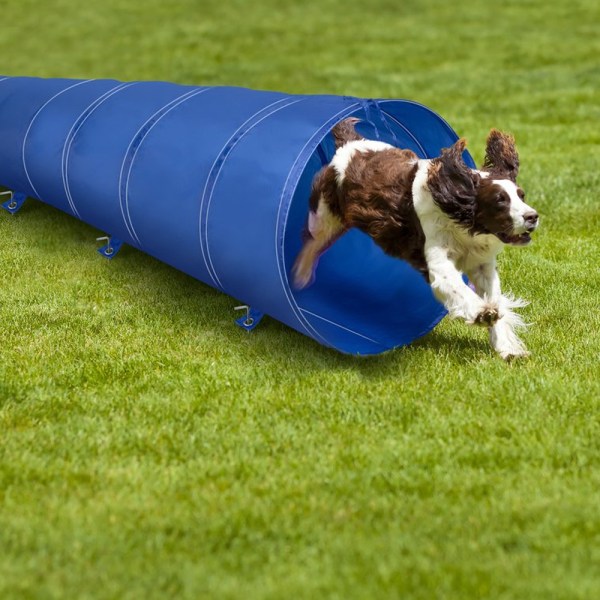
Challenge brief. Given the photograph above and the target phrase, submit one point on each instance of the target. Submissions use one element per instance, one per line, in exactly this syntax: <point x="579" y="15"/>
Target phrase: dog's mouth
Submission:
<point x="522" y="239"/>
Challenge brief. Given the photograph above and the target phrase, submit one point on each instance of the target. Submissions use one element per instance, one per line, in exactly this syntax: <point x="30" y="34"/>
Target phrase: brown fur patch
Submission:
<point x="376" y="197"/>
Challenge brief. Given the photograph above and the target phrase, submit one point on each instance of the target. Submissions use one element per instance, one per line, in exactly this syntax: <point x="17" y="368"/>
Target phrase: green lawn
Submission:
<point x="151" y="449"/>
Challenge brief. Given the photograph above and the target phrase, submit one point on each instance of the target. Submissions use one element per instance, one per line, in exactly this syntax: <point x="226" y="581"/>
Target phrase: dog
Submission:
<point x="439" y="215"/>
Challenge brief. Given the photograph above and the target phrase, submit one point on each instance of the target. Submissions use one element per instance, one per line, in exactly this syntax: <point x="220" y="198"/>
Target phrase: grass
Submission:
<point x="150" y="449"/>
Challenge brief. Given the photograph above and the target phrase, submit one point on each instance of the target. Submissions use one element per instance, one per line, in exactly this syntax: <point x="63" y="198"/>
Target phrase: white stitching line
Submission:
<point x="304" y="310"/>
<point x="432" y="112"/>
<point x="196" y="93"/>
<point x="210" y="268"/>
<point x="410" y="133"/>
<point x="427" y="109"/>
<point x="281" y="261"/>
<point x="175" y="102"/>
<point x="66" y="153"/>
<point x="35" y="116"/>
<point x="3" y="79"/>
<point x="218" y="173"/>
<point x="285" y="284"/>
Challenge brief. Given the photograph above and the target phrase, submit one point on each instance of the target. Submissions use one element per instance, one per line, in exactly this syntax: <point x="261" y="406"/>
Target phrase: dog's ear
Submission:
<point x="453" y="185"/>
<point x="501" y="158"/>
<point x="454" y="166"/>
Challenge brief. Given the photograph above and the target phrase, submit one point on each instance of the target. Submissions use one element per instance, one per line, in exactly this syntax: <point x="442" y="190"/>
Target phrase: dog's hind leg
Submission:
<point x="323" y="229"/>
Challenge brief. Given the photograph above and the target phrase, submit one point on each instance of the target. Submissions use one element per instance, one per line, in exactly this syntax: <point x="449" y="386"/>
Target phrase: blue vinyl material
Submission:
<point x="215" y="182"/>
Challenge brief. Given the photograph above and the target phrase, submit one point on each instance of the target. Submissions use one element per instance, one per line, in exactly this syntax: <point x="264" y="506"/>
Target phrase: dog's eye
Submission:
<point x="521" y="194"/>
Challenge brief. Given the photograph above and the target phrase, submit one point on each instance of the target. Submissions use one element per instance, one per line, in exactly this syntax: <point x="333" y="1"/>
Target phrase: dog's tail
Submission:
<point x="344" y="132"/>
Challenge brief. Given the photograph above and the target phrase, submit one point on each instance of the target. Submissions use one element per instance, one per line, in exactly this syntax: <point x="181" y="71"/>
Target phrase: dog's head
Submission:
<point x="487" y="201"/>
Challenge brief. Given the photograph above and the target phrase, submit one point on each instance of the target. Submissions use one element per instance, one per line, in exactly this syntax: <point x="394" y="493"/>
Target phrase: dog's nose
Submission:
<point x="531" y="219"/>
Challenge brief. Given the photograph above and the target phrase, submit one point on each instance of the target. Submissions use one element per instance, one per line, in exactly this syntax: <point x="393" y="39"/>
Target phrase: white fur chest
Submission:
<point x="467" y="251"/>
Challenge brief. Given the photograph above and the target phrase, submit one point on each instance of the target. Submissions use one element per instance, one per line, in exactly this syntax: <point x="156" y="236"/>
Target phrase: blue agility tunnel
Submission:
<point x="215" y="182"/>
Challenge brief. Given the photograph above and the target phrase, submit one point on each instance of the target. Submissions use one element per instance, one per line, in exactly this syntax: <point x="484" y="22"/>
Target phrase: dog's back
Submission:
<point x="376" y="197"/>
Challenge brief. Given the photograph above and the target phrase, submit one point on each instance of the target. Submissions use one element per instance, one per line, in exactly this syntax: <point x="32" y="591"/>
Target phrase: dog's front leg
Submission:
<point x="458" y="298"/>
<point x="503" y="338"/>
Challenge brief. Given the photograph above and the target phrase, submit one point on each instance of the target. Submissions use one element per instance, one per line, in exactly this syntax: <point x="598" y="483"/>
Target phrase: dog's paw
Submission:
<point x="506" y="343"/>
<point x="301" y="282"/>
<point x="488" y="316"/>
<point x="512" y="354"/>
<point x="302" y="276"/>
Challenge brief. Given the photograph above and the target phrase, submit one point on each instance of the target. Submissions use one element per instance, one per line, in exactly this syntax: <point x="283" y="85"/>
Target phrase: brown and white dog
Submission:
<point x="439" y="215"/>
